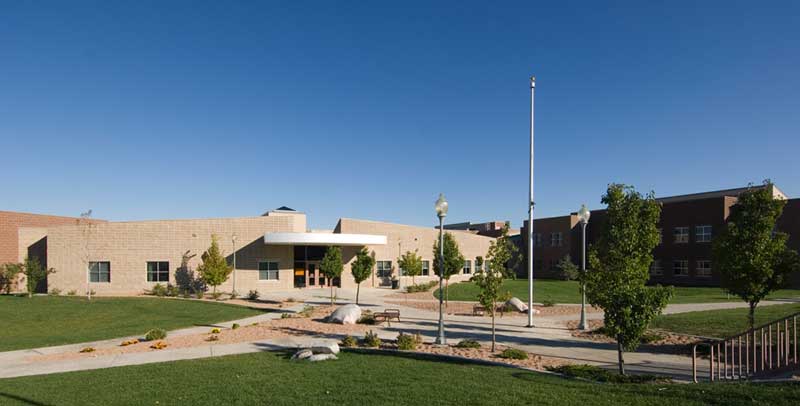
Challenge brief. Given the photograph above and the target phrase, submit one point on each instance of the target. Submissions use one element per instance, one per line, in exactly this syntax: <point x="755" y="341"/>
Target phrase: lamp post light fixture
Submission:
<point x="233" y="240"/>
<point x="441" y="212"/>
<point x="583" y="217"/>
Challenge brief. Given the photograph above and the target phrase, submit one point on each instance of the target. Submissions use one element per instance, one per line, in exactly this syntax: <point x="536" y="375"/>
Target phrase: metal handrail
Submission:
<point x="762" y="352"/>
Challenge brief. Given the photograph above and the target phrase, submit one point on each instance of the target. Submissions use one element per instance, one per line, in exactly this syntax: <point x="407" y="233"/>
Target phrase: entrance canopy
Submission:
<point x="355" y="240"/>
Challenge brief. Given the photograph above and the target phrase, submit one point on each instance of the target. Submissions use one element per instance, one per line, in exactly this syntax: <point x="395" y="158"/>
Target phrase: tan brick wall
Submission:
<point x="410" y="238"/>
<point x="10" y="223"/>
<point x="129" y="245"/>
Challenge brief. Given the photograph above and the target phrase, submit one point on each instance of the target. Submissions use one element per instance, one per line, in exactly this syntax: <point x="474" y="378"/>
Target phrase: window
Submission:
<point x="702" y="233"/>
<point x="681" y="235"/>
<point x="384" y="268"/>
<point x="157" y="271"/>
<point x="537" y="239"/>
<point x="100" y="272"/>
<point x="478" y="265"/>
<point x="703" y="269"/>
<point x="655" y="268"/>
<point x="268" y="270"/>
<point x="426" y="268"/>
<point x="467" y="267"/>
<point x="555" y="239"/>
<point x="680" y="267"/>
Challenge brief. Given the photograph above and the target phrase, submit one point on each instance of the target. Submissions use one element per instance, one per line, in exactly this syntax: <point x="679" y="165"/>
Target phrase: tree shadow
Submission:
<point x="22" y="399"/>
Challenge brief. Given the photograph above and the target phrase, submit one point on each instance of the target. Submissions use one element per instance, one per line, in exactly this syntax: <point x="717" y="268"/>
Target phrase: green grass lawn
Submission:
<point x="270" y="379"/>
<point x="567" y="292"/>
<point x="721" y="323"/>
<point x="47" y="320"/>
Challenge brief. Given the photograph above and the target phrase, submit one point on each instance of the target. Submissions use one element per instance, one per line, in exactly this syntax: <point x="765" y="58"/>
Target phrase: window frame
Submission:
<point x="379" y="269"/>
<point x="656" y="269"/>
<point x="426" y="267"/>
<point x="684" y="237"/>
<point x="467" y="268"/>
<point x="277" y="270"/>
<point x="99" y="273"/>
<point x="675" y="267"/>
<point x="698" y="268"/>
<point x="560" y="239"/>
<point x="706" y="236"/>
<point x="158" y="273"/>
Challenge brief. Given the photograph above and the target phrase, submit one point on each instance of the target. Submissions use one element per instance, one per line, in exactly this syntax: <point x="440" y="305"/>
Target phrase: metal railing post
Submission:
<point x="711" y="360"/>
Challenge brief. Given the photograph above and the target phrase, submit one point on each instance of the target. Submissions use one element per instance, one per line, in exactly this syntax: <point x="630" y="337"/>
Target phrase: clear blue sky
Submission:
<point x="340" y="109"/>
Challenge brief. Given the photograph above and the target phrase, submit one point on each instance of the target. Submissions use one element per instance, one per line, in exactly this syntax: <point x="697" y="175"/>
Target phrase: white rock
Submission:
<point x="516" y="304"/>
<point x="321" y="357"/>
<point x="325" y="348"/>
<point x="536" y="311"/>
<point x="303" y="354"/>
<point x="347" y="314"/>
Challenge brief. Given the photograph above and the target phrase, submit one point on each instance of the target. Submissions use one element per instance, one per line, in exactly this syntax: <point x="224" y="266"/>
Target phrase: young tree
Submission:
<point x="751" y="256"/>
<point x="214" y="270"/>
<point x="86" y="225"/>
<point x="9" y="277"/>
<point x="331" y="266"/>
<point x="453" y="260"/>
<point x="411" y="264"/>
<point x="500" y="258"/>
<point x="620" y="261"/>
<point x="567" y="270"/>
<point x="362" y="268"/>
<point x="34" y="273"/>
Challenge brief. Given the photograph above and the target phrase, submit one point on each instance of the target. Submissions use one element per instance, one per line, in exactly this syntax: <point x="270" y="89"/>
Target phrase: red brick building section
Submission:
<point x="10" y="222"/>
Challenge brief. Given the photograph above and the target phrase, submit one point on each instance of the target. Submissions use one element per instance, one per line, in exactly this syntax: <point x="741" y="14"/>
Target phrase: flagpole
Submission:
<point x="530" y="217"/>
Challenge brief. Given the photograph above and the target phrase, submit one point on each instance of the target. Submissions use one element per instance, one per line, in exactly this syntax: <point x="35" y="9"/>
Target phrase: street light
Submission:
<point x="583" y="217"/>
<point x="233" y="240"/>
<point x="441" y="212"/>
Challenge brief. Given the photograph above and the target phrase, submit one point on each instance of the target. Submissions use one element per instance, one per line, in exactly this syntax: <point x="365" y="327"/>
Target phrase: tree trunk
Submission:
<point x="358" y="290"/>
<point x="413" y="280"/>
<point x="446" y="292"/>
<point x="621" y="358"/>
<point x="751" y="316"/>
<point x="332" y="294"/>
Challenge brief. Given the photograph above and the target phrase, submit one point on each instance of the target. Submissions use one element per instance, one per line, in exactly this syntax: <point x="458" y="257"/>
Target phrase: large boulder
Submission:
<point x="321" y="357"/>
<point x="325" y="348"/>
<point x="347" y="314"/>
<point x="517" y="305"/>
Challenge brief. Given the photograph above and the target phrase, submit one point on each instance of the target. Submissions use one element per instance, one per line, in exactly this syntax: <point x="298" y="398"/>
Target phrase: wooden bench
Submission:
<point x="387" y="315"/>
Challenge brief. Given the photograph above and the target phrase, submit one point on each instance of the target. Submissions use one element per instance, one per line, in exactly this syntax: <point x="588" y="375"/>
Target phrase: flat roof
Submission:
<point x="324" y="239"/>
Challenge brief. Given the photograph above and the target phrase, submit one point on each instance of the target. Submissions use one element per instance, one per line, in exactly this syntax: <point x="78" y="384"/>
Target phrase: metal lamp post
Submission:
<point x="233" y="240"/>
<point x="441" y="212"/>
<point x="583" y="217"/>
<point x="530" y="217"/>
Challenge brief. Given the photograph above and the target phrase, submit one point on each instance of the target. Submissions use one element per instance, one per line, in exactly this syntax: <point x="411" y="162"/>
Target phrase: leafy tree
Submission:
<point x="9" y="276"/>
<point x="34" y="273"/>
<point x="620" y="261"/>
<point x="490" y="279"/>
<point x="453" y="260"/>
<point x="752" y="257"/>
<point x="362" y="268"/>
<point x="331" y="266"/>
<point x="411" y="264"/>
<point x="567" y="270"/>
<point x="214" y="270"/>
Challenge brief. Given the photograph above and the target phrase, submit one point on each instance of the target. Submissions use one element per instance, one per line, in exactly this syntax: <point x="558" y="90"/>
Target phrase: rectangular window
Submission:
<point x="537" y="240"/>
<point x="681" y="235"/>
<point x="655" y="268"/>
<point x="100" y="272"/>
<point x="702" y="233"/>
<point x="157" y="271"/>
<point x="426" y="268"/>
<point x="268" y="270"/>
<point x="703" y="269"/>
<point x="384" y="269"/>
<point x="680" y="267"/>
<point x="555" y="239"/>
<point x="478" y="266"/>
<point x="467" y="267"/>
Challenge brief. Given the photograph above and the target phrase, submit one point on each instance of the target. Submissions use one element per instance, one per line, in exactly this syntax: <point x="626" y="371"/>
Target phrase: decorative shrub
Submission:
<point x="286" y="315"/>
<point x="234" y="295"/>
<point x="367" y="317"/>
<point x="55" y="292"/>
<point x="253" y="295"/>
<point x="548" y="303"/>
<point x="371" y="340"/>
<point x="307" y="311"/>
<point x="72" y="292"/>
<point x="421" y="287"/>
<point x="158" y="290"/>
<point x="215" y="330"/>
<point x="199" y="294"/>
<point x="407" y="342"/>
<point x="513" y="353"/>
<point x="155" y="334"/>
<point x="216" y="295"/>
<point x="129" y="342"/>
<point x="651" y="337"/>
<point x="291" y="300"/>
<point x="159" y="345"/>
<point x="468" y="343"/>
<point x="87" y="349"/>
<point x="349" y="341"/>
<point x="172" y="290"/>
<point x="598" y="374"/>
<point x="213" y="337"/>
<point x="235" y="326"/>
